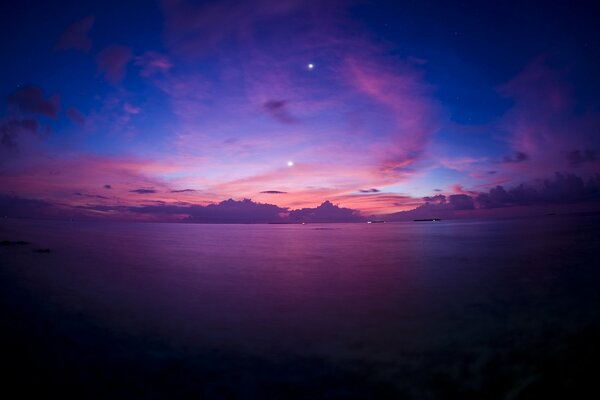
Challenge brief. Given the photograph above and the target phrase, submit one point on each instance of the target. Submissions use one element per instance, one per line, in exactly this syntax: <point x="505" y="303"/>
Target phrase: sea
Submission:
<point x="466" y="309"/>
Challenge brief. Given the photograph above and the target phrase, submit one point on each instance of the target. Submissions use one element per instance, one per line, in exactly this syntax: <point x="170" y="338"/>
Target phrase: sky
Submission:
<point x="289" y="110"/>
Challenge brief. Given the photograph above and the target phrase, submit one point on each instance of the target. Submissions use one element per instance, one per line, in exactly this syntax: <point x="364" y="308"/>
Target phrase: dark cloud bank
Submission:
<point x="562" y="189"/>
<point x="25" y="106"/>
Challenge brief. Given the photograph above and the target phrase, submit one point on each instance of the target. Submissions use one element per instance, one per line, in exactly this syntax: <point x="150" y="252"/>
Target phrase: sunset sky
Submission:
<point x="142" y="109"/>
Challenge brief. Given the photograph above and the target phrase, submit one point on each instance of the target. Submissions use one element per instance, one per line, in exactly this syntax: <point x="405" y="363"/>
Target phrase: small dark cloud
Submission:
<point x="518" y="157"/>
<point x="92" y="196"/>
<point x="11" y="129"/>
<point x="273" y="192"/>
<point x="437" y="190"/>
<point x="75" y="116"/>
<point x="578" y="157"/>
<point x="76" y="36"/>
<point x="153" y="63"/>
<point x="31" y="100"/>
<point x="492" y="172"/>
<point x="372" y="190"/>
<point x="107" y="187"/>
<point x="183" y="191"/>
<point x="143" y="191"/>
<point x="112" y="62"/>
<point x="278" y="110"/>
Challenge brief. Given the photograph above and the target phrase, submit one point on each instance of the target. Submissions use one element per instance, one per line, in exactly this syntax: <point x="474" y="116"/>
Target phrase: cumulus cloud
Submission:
<point x="561" y="189"/>
<point x="452" y="202"/>
<point x="112" y="63"/>
<point x="76" y="36"/>
<point x="229" y="211"/>
<point x="461" y="202"/>
<point x="326" y="212"/>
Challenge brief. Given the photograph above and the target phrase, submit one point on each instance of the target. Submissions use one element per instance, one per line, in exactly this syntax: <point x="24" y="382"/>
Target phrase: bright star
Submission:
<point x="290" y="163"/>
<point x="311" y="66"/>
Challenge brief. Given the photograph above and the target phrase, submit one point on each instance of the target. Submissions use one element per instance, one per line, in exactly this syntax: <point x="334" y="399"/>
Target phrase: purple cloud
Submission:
<point x="578" y="157"/>
<point x="278" y="110"/>
<point x="143" y="191"/>
<point x="112" y="63"/>
<point x="562" y="188"/>
<point x="326" y="212"/>
<point x="75" y="116"/>
<point x="518" y="157"/>
<point x="273" y="192"/>
<point x="461" y="202"/>
<point x="11" y="129"/>
<point x="91" y="196"/>
<point x="183" y="191"/>
<point x="76" y="36"/>
<point x="153" y="63"/>
<point x="31" y="100"/>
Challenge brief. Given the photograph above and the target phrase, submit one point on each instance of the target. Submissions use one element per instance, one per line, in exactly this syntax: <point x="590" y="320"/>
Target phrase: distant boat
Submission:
<point x="427" y="220"/>
<point x="376" y="221"/>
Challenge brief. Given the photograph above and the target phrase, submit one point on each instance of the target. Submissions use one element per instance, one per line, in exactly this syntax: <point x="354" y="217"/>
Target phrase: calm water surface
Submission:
<point x="391" y="300"/>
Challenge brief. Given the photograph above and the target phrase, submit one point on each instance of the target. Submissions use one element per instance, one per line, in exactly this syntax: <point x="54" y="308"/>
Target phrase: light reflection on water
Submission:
<point x="378" y="292"/>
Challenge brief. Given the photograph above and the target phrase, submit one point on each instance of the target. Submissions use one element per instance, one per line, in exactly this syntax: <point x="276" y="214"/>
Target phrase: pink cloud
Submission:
<point x="405" y="97"/>
<point x="76" y="36"/>
<point x="112" y="62"/>
<point x="153" y="63"/>
<point x="131" y="109"/>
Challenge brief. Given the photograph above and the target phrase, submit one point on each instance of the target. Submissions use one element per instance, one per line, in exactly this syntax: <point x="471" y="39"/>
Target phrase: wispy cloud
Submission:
<point x="76" y="36"/>
<point x="112" y="62"/>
